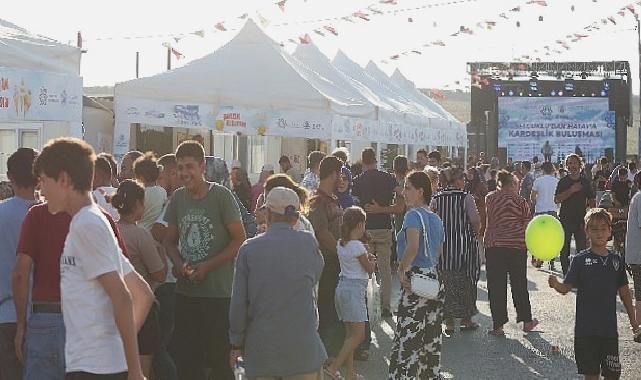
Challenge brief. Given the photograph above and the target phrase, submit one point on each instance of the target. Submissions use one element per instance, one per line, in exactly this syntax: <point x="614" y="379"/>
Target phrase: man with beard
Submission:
<point x="326" y="215"/>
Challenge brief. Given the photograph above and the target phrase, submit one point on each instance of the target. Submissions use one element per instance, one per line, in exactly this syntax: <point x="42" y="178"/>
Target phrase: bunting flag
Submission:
<point x="438" y="43"/>
<point x="306" y="39"/>
<point x="394" y="57"/>
<point x="244" y="16"/>
<point x="630" y="7"/>
<point x="434" y="93"/>
<point x="177" y="54"/>
<point x="577" y="35"/>
<point x="409" y="19"/>
<point x="612" y="20"/>
<point x="516" y="9"/>
<point x="281" y="5"/>
<point x="347" y="18"/>
<point x="416" y="52"/>
<point x="199" y="33"/>
<point x="177" y="39"/>
<point x="263" y="21"/>
<point x="220" y="26"/>
<point x="621" y="13"/>
<point x="391" y="2"/>
<point x="331" y="30"/>
<point x="374" y="10"/>
<point x="538" y="2"/>
<point x="361" y="15"/>
<point x="319" y="32"/>
<point x="292" y="41"/>
<point x="503" y="15"/>
<point x="466" y="30"/>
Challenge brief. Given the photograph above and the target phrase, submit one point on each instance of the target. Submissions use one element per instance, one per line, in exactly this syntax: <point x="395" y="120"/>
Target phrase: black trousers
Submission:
<point x="330" y="329"/>
<point x="92" y="376"/>
<point x="499" y="263"/>
<point x="201" y="337"/>
<point x="578" y="231"/>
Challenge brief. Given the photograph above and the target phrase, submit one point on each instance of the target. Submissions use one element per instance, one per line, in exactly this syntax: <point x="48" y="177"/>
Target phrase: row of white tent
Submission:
<point x="254" y="87"/>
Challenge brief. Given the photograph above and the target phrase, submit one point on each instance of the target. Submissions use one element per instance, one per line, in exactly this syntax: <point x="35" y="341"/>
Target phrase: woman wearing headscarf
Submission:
<point x="344" y="189"/>
<point x="460" y="263"/>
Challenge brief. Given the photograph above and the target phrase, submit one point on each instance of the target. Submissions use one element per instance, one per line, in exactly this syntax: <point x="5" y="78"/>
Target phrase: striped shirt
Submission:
<point x="507" y="216"/>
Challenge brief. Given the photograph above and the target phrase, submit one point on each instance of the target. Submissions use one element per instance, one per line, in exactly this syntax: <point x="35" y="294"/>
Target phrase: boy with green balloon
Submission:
<point x="598" y="275"/>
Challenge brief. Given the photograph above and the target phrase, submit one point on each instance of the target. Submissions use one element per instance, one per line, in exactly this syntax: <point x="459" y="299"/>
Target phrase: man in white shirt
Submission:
<point x="103" y="191"/>
<point x="104" y="301"/>
<point x="542" y="196"/>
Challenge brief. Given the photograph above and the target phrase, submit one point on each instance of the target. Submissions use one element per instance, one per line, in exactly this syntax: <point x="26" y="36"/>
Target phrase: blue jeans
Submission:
<point x="164" y="364"/>
<point x="44" y="357"/>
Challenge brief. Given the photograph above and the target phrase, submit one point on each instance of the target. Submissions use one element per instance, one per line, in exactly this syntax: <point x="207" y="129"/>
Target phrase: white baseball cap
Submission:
<point x="283" y="201"/>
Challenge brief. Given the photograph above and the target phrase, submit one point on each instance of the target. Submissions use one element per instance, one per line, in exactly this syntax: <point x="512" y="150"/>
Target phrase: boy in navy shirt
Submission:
<point x="598" y="274"/>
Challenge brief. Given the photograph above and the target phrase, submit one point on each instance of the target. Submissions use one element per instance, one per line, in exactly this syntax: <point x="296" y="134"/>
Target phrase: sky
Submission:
<point x="107" y="31"/>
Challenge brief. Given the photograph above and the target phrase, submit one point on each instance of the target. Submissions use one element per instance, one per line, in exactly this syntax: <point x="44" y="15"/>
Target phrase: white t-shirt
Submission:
<point x="348" y="258"/>
<point x="101" y="194"/>
<point x="155" y="198"/>
<point x="93" y="343"/>
<point x="545" y="188"/>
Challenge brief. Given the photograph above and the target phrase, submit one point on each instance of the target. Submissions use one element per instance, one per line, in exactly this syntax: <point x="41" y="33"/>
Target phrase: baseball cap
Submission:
<point x="268" y="168"/>
<point x="236" y="164"/>
<point x="283" y="201"/>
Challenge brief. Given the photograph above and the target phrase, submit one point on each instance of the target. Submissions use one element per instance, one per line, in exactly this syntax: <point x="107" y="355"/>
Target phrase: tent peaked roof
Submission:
<point x="401" y="80"/>
<point x="251" y="69"/>
<point x="333" y="82"/>
<point x="22" y="49"/>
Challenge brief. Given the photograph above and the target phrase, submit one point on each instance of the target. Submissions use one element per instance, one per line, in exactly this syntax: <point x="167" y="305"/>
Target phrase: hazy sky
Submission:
<point x="113" y="60"/>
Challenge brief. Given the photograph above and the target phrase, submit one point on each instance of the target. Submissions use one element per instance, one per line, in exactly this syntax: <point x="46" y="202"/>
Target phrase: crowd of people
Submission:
<point x="149" y="270"/>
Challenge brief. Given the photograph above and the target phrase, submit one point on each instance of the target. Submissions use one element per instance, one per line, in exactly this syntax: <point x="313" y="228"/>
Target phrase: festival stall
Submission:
<point x="40" y="91"/>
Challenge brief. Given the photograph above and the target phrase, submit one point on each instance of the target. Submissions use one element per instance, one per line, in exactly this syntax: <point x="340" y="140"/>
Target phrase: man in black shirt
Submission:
<point x="377" y="187"/>
<point x="621" y="188"/>
<point x="574" y="193"/>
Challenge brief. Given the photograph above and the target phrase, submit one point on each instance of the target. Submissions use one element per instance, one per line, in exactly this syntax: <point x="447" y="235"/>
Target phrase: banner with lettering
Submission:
<point x="39" y="96"/>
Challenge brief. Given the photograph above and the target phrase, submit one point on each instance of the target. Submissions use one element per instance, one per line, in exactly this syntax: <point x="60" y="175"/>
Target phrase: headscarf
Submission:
<point x="345" y="198"/>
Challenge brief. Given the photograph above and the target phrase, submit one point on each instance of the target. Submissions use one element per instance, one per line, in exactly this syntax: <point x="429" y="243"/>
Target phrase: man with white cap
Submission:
<point x="273" y="315"/>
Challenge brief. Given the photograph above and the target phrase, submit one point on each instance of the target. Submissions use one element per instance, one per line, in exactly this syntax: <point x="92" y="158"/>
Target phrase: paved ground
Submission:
<point x="544" y="354"/>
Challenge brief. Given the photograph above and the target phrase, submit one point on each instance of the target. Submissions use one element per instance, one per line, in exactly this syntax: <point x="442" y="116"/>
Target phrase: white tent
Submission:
<point x="21" y="49"/>
<point x="40" y="91"/>
<point x="408" y="86"/>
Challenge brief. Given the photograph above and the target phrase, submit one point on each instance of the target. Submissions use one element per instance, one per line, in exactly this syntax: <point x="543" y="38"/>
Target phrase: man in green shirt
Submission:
<point x="204" y="219"/>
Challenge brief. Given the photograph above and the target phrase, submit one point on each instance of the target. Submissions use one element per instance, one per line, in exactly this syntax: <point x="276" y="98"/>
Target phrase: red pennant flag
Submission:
<point x="361" y="15"/>
<point x="621" y="13"/>
<point x="177" y="54"/>
<point x="630" y="7"/>
<point x="434" y="93"/>
<point x="395" y="56"/>
<point x="281" y="5"/>
<point x="306" y="39"/>
<point x="221" y="27"/>
<point x="516" y="9"/>
<point x="331" y="30"/>
<point x="319" y="32"/>
<point x="612" y="20"/>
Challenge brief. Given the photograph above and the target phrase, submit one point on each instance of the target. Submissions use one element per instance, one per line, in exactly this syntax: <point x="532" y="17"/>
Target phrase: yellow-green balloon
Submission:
<point x="544" y="237"/>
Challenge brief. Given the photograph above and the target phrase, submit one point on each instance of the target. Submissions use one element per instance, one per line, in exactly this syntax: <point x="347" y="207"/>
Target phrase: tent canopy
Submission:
<point x="21" y="49"/>
<point x="251" y="70"/>
<point x="408" y="86"/>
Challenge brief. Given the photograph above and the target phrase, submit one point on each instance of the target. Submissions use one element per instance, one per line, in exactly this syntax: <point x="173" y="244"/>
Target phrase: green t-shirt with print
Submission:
<point x="203" y="234"/>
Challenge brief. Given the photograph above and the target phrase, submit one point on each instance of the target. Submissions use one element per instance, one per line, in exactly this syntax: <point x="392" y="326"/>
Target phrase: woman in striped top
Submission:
<point x="460" y="263"/>
<point x="507" y="216"/>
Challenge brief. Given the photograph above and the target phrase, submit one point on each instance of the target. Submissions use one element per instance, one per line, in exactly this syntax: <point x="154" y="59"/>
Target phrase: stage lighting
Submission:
<point x="521" y="93"/>
<point x="502" y="93"/>
<point x="510" y="93"/>
<point x="584" y="75"/>
<point x="560" y="93"/>
<point x="604" y="93"/>
<point x="593" y="94"/>
<point x="553" y="93"/>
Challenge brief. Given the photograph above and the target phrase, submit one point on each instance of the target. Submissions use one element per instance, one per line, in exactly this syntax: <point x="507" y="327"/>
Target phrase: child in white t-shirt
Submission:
<point x="147" y="171"/>
<point x="104" y="301"/>
<point x="351" y="306"/>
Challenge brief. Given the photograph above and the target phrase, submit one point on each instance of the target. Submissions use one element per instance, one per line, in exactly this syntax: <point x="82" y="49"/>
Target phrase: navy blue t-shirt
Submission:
<point x="379" y="186"/>
<point x="597" y="279"/>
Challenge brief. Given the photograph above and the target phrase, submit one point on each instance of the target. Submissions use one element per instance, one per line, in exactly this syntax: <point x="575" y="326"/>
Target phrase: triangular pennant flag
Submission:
<point x="454" y="34"/>
<point x="604" y="21"/>
<point x="374" y="10"/>
<point x="577" y="35"/>
<point x="395" y="56"/>
<point x="612" y="20"/>
<point x="244" y="16"/>
<point x="292" y="41"/>
<point x="361" y="15"/>
<point x="199" y="33"/>
<point x="281" y="5"/>
<point x="177" y="54"/>
<point x="438" y="43"/>
<point x="516" y="9"/>
<point x="263" y="21"/>
<point x="177" y="39"/>
<point x="384" y="61"/>
<point x="392" y="2"/>
<point x="504" y="16"/>
<point x="409" y="19"/>
<point x="331" y="30"/>
<point x="347" y="18"/>
<point x="630" y="7"/>
<point x="319" y="32"/>
<point x="220" y="26"/>
<point x="538" y="2"/>
<point x="621" y="13"/>
<point x="416" y="52"/>
<point x="306" y="39"/>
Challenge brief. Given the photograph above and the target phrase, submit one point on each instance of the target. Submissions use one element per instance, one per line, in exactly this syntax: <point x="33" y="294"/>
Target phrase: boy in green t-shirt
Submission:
<point x="204" y="219"/>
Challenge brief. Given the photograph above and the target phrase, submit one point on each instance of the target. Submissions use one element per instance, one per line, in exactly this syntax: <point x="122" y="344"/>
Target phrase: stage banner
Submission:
<point x="268" y="122"/>
<point x="163" y="113"/>
<point x="550" y="128"/>
<point x="39" y="95"/>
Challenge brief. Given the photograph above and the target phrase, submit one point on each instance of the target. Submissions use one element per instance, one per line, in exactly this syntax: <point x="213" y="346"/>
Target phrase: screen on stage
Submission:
<point x="552" y="127"/>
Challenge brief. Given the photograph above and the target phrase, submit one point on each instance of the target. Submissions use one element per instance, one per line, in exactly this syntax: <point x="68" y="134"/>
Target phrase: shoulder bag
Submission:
<point x="423" y="285"/>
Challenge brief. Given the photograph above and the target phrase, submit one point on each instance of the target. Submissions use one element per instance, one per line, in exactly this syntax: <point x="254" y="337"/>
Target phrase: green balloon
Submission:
<point x="544" y="237"/>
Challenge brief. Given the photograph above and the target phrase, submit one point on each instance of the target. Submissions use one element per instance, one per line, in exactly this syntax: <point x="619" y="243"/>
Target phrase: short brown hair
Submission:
<point x="70" y="155"/>
<point x="112" y="162"/>
<point x="368" y="156"/>
<point x="104" y="166"/>
<point x="191" y="148"/>
<point x="146" y="167"/>
<point x="329" y="165"/>
<point x="167" y="161"/>
<point x="420" y="180"/>
<point x="20" y="167"/>
<point x="598" y="214"/>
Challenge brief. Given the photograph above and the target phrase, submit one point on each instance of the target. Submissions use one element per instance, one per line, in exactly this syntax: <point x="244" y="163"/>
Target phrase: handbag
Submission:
<point x="373" y="300"/>
<point x="423" y="285"/>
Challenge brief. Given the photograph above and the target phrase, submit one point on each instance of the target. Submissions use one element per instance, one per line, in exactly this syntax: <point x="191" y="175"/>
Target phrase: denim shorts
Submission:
<point x="350" y="300"/>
